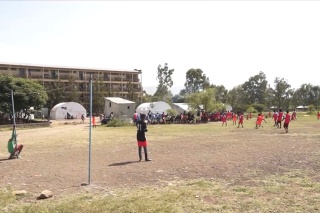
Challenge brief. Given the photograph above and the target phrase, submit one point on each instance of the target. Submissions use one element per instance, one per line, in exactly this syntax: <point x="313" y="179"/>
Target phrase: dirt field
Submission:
<point x="56" y="158"/>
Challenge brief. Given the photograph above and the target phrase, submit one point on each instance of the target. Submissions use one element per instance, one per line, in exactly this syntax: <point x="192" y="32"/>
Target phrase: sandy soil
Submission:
<point x="235" y="155"/>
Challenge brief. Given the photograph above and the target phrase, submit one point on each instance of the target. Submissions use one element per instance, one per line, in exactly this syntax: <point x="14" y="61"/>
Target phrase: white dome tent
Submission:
<point x="154" y="107"/>
<point x="181" y="107"/>
<point x="67" y="110"/>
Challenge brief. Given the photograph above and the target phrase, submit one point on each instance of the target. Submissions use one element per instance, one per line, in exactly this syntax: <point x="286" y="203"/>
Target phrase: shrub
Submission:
<point x="118" y="123"/>
<point x="259" y="107"/>
<point x="311" y="109"/>
<point x="251" y="109"/>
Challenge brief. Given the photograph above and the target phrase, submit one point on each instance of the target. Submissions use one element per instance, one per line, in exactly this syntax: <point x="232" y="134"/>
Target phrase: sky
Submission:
<point x="229" y="40"/>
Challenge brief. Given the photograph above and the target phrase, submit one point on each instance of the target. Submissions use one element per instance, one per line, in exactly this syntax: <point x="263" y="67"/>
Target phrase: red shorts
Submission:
<point x="142" y="143"/>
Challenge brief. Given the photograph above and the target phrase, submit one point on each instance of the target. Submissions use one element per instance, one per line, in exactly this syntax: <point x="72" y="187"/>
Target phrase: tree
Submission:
<point x="178" y="99"/>
<point x="282" y="93"/>
<point x="196" y="81"/>
<point x="306" y="95"/>
<point x="236" y="98"/>
<point x="311" y="109"/>
<point x="27" y="94"/>
<point x="205" y="98"/>
<point x="72" y="92"/>
<point x="165" y="80"/>
<point x="56" y="93"/>
<point x="255" y="89"/>
<point x="98" y="96"/>
<point x="221" y="94"/>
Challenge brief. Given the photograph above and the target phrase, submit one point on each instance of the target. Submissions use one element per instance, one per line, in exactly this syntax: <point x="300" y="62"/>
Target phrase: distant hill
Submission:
<point x="151" y="90"/>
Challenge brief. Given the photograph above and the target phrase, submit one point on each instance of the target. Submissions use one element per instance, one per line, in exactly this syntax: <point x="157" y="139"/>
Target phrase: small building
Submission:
<point x="154" y="107"/>
<point x="67" y="110"/>
<point x="120" y="107"/>
<point x="302" y="108"/>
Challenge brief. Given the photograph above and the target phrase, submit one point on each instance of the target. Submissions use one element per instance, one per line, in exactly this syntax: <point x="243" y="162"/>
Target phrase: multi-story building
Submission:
<point x="121" y="83"/>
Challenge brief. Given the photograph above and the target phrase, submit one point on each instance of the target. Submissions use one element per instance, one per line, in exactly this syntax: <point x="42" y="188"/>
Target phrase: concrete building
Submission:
<point x="120" y="107"/>
<point x="119" y="83"/>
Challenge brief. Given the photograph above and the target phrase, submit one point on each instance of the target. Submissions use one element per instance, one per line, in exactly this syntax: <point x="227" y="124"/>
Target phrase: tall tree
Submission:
<point x="72" y="92"/>
<point x="27" y="94"/>
<point x="255" y="89"/>
<point x="236" y="98"/>
<point x="196" y="81"/>
<point x="221" y="94"/>
<point x="282" y="93"/>
<point x="164" y="76"/>
<point x="205" y="98"/>
<point x="98" y="96"/>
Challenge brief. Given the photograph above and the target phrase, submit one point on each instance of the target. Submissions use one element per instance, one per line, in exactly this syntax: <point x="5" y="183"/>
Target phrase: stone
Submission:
<point x="45" y="194"/>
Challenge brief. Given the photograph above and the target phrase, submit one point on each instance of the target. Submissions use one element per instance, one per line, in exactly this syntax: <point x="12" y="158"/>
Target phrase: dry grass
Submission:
<point x="197" y="168"/>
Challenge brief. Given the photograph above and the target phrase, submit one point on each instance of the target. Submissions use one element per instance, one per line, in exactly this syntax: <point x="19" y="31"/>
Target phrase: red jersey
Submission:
<point x="280" y="116"/>
<point x="259" y="120"/>
<point x="287" y="118"/>
<point x="241" y="118"/>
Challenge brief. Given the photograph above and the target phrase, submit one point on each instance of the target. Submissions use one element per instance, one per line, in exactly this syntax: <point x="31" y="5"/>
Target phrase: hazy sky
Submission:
<point x="229" y="40"/>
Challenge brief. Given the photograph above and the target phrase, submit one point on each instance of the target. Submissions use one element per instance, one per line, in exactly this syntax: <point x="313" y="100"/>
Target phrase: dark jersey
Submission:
<point x="141" y="129"/>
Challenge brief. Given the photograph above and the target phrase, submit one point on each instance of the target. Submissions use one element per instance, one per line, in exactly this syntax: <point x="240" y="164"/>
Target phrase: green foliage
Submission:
<point x="251" y="109"/>
<point x="255" y="89"/>
<point x="27" y="94"/>
<point x="196" y="80"/>
<point x="259" y="107"/>
<point x="118" y="123"/>
<point x="206" y="99"/>
<point x="172" y="112"/>
<point x="311" y="109"/>
<point x="221" y="94"/>
<point x="282" y="93"/>
<point x="164" y="75"/>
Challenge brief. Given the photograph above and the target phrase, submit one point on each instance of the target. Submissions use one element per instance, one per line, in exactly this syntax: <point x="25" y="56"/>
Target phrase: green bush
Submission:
<point x="311" y="109"/>
<point x="251" y="109"/>
<point x="259" y="107"/>
<point x="118" y="123"/>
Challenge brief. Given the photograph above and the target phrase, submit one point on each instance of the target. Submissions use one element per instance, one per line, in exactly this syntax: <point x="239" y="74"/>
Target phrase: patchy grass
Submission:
<point x="197" y="168"/>
<point x="291" y="192"/>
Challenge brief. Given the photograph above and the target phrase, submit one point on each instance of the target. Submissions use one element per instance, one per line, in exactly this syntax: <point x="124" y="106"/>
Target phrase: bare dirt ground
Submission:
<point x="56" y="158"/>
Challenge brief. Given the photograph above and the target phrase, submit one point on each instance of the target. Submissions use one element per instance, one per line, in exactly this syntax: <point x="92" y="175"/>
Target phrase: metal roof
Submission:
<point x="119" y="100"/>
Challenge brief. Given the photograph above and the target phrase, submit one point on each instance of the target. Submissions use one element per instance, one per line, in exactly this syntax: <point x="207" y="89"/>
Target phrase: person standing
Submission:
<point x="234" y="119"/>
<point x="280" y="117"/>
<point x="240" y="119"/>
<point x="94" y="124"/>
<point x="141" y="137"/>
<point x="286" y="121"/>
<point x="135" y="118"/>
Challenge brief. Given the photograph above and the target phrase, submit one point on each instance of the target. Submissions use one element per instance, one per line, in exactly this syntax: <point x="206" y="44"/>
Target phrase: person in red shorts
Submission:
<point x="240" y="119"/>
<point x="141" y="137"/>
<point x="318" y="115"/>
<point x="234" y="119"/>
<point x="275" y="117"/>
<point x="224" y="119"/>
<point x="259" y="121"/>
<point x="286" y="121"/>
<point x="294" y="115"/>
<point x="279" y="119"/>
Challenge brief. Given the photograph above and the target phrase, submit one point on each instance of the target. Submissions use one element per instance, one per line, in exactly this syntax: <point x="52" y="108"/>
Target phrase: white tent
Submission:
<point x="181" y="107"/>
<point x="119" y="106"/>
<point x="67" y="110"/>
<point x="154" y="107"/>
